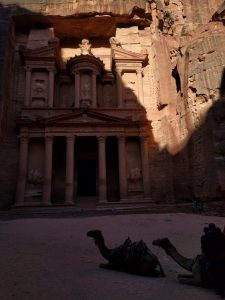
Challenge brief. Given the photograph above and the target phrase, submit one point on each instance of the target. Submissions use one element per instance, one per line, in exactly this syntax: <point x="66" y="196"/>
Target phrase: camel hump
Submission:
<point x="135" y="251"/>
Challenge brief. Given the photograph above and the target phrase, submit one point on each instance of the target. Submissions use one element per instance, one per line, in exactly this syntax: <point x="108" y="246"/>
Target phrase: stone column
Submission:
<point x="119" y="88"/>
<point x="140" y="87"/>
<point x="47" y="188"/>
<point x="145" y="166"/>
<point x="94" y="91"/>
<point x="22" y="171"/>
<point x="28" y="86"/>
<point x="122" y="167"/>
<point x="102" y="169"/>
<point x="77" y="90"/>
<point x="51" y="87"/>
<point x="69" y="170"/>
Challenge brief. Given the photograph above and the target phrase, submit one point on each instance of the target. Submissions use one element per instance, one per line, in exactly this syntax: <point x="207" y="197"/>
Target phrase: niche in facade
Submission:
<point x="39" y="88"/>
<point x="86" y="69"/>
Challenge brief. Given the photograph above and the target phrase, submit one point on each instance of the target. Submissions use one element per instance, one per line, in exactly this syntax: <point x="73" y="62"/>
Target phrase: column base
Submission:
<point x="123" y="200"/>
<point x="69" y="203"/>
<point x="148" y="199"/>
<point x="19" y="204"/>
<point x="102" y="201"/>
<point x="46" y="203"/>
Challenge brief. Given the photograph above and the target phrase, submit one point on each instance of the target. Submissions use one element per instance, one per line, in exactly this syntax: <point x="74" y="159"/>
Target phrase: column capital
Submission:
<point x="70" y="138"/>
<point x="101" y="139"/>
<point x="144" y="138"/>
<point x="121" y="138"/>
<point x="28" y="68"/>
<point x="139" y="71"/>
<point x="95" y="72"/>
<point x="48" y="138"/>
<point x="119" y="71"/>
<point x="51" y="69"/>
<point x="23" y="136"/>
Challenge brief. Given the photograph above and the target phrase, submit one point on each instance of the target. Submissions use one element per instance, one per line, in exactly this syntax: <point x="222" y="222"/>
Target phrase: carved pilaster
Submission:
<point x="47" y="188"/>
<point x="122" y="167"/>
<point x="102" y="169"/>
<point x="145" y="166"/>
<point x="119" y="88"/>
<point x="28" y="86"/>
<point x="77" y="90"/>
<point x="69" y="170"/>
<point x="140" y="86"/>
<point x="94" y="93"/>
<point x="22" y="171"/>
<point x="51" y="87"/>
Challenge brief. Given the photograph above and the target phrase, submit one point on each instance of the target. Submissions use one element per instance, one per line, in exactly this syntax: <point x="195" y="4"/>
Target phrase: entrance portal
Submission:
<point x="86" y="178"/>
<point x="86" y="153"/>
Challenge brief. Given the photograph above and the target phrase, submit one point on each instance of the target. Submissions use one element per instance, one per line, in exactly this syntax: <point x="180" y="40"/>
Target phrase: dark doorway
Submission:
<point x="86" y="178"/>
<point x="86" y="153"/>
<point x="112" y="169"/>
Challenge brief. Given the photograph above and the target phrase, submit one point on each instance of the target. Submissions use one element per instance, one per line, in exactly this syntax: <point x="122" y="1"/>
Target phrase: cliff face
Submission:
<point x="184" y="95"/>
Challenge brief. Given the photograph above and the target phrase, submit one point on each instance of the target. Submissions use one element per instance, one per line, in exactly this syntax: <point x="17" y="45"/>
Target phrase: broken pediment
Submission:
<point x="41" y="45"/>
<point x="122" y="55"/>
<point x="49" y="51"/>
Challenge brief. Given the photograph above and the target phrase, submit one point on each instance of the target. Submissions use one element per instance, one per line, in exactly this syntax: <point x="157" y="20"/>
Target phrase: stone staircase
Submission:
<point x="212" y="208"/>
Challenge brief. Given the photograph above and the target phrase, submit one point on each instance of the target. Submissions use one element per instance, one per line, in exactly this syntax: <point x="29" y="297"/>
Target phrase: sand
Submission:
<point x="53" y="259"/>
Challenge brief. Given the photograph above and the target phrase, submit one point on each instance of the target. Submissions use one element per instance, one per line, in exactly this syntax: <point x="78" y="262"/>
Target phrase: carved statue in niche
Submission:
<point x="135" y="179"/>
<point x="85" y="47"/>
<point x="86" y="90"/>
<point x="135" y="174"/>
<point x="39" y="88"/>
<point x="130" y="89"/>
<point x="34" y="177"/>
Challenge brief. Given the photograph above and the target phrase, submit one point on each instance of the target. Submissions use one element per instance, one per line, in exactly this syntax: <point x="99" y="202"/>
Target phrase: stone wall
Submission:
<point x="184" y="85"/>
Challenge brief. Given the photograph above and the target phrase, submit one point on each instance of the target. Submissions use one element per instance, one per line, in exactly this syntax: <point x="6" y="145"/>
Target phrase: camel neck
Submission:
<point x="105" y="251"/>
<point x="184" y="262"/>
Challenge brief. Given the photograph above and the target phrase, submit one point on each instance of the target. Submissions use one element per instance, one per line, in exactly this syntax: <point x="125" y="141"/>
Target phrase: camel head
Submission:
<point x="96" y="235"/>
<point x="162" y="243"/>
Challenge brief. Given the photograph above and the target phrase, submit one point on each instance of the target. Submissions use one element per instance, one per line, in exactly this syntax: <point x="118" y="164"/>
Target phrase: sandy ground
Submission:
<point x="53" y="259"/>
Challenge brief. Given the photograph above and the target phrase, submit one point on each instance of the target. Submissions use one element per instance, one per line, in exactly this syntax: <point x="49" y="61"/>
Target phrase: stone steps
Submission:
<point x="61" y="211"/>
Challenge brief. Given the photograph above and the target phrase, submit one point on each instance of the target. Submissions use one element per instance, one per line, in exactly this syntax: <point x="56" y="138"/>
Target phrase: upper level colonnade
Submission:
<point x="84" y="83"/>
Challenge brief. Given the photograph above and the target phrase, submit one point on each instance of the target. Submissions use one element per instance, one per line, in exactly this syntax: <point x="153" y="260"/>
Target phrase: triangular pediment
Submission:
<point x="85" y="117"/>
<point x="119" y="53"/>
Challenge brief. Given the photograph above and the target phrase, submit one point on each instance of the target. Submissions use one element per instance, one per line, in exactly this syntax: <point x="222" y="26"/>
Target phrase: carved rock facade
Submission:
<point x="130" y="108"/>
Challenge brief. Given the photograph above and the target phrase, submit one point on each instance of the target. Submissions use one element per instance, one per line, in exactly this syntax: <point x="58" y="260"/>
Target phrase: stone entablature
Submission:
<point x="85" y="82"/>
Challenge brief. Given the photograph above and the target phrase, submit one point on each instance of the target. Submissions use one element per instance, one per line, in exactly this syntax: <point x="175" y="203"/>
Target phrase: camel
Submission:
<point x="130" y="257"/>
<point x="196" y="266"/>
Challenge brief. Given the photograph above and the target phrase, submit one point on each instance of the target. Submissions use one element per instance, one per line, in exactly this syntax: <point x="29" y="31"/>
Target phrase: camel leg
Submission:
<point x="161" y="270"/>
<point x="108" y="266"/>
<point x="189" y="279"/>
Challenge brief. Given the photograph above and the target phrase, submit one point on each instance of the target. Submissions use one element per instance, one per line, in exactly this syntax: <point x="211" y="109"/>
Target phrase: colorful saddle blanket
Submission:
<point x="133" y="252"/>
